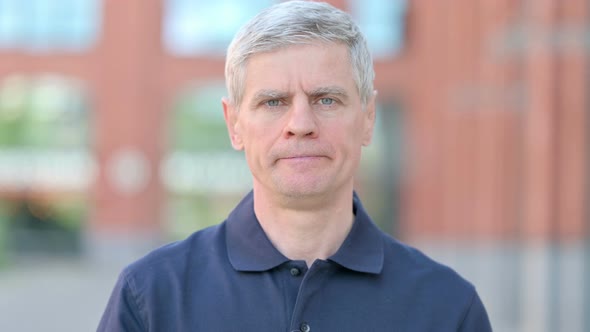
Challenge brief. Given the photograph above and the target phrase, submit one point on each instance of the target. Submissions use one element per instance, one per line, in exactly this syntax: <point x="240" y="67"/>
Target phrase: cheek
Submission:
<point x="348" y="134"/>
<point x="259" y="140"/>
<point x="258" y="126"/>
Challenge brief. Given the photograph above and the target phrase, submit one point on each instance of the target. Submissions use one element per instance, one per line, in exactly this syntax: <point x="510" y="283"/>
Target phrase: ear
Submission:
<point x="230" y="113"/>
<point x="369" y="120"/>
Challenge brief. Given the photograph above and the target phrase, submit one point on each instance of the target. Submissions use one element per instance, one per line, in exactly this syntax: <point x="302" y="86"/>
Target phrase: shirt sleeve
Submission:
<point x="476" y="319"/>
<point x="122" y="312"/>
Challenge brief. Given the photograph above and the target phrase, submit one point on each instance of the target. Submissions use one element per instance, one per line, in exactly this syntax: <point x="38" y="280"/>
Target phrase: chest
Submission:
<point x="289" y="298"/>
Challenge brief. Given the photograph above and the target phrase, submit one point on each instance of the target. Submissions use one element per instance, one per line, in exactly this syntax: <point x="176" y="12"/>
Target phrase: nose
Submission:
<point x="302" y="121"/>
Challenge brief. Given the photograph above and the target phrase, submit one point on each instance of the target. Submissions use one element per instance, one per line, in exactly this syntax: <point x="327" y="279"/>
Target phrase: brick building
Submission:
<point x="483" y="112"/>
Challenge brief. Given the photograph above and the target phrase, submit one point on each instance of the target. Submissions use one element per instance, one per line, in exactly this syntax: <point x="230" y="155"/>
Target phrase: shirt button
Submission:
<point x="305" y="327"/>
<point x="295" y="271"/>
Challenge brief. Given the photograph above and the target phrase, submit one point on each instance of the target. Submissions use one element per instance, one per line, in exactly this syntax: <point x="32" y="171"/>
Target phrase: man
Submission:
<point x="299" y="253"/>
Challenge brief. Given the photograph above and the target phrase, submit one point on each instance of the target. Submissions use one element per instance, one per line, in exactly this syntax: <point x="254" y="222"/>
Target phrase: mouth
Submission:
<point x="301" y="159"/>
<point x="302" y="155"/>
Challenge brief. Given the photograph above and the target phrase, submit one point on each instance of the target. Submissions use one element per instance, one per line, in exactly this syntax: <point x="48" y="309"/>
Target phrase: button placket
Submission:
<point x="311" y="282"/>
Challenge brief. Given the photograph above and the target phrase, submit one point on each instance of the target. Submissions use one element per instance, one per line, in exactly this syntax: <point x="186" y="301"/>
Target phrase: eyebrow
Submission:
<point x="328" y="90"/>
<point x="268" y="94"/>
<point x="331" y="90"/>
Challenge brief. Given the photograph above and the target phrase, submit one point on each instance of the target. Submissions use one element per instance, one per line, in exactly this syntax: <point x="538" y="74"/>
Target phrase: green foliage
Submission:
<point x="70" y="213"/>
<point x="189" y="213"/>
<point x="4" y="215"/>
<point x="197" y="121"/>
<point x="46" y="113"/>
<point x="198" y="128"/>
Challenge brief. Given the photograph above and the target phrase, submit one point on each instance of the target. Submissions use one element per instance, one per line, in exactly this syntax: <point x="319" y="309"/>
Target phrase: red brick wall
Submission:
<point x="497" y="129"/>
<point x="496" y="142"/>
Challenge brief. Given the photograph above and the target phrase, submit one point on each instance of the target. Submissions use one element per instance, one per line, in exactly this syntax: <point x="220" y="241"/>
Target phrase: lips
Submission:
<point x="303" y="156"/>
<point x="304" y="161"/>
<point x="301" y="153"/>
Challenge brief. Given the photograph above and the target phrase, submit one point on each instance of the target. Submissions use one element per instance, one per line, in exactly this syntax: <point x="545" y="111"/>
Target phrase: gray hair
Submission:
<point x="294" y="23"/>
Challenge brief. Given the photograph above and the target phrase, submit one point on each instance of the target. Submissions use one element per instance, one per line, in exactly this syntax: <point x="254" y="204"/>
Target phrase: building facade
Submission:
<point x="483" y="139"/>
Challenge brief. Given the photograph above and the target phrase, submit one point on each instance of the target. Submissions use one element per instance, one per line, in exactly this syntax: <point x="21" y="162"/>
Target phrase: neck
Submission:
<point x="303" y="232"/>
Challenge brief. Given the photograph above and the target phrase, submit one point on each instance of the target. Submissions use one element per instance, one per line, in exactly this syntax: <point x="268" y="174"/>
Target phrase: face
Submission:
<point x="301" y="123"/>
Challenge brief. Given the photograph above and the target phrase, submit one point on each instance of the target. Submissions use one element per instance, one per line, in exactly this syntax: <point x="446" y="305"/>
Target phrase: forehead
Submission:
<point x="306" y="66"/>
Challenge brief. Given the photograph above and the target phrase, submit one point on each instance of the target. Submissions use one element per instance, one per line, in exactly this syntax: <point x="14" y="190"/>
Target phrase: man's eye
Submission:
<point x="273" y="102"/>
<point x="326" y="101"/>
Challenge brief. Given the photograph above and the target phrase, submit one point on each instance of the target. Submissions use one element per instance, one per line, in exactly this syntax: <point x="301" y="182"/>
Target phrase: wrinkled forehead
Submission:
<point x="304" y="54"/>
<point x="315" y="65"/>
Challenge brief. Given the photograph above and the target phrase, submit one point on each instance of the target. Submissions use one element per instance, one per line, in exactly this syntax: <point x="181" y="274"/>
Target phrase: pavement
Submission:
<point x="54" y="294"/>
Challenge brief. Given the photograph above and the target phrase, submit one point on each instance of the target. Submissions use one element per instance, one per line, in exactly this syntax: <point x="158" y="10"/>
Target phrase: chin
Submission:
<point x="301" y="193"/>
<point x="303" y="185"/>
<point x="301" y="190"/>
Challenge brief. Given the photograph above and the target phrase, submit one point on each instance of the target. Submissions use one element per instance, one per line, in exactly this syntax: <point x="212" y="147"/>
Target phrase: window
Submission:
<point x="47" y="25"/>
<point x="380" y="170"/>
<point x="204" y="27"/>
<point x="382" y="22"/>
<point x="203" y="176"/>
<point x="46" y="166"/>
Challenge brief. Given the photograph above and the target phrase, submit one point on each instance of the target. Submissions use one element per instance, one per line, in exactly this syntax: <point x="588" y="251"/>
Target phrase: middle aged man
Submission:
<point x="299" y="253"/>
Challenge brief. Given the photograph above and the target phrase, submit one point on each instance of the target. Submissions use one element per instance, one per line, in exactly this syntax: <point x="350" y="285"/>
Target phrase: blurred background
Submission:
<point x="112" y="142"/>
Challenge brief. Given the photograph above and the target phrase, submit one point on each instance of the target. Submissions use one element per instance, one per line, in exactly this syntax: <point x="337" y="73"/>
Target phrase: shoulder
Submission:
<point x="420" y="270"/>
<point x="163" y="276"/>
<point x="175" y="257"/>
<point x="440" y="292"/>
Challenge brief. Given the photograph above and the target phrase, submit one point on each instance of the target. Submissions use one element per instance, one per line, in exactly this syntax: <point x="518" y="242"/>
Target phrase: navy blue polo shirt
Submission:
<point x="230" y="277"/>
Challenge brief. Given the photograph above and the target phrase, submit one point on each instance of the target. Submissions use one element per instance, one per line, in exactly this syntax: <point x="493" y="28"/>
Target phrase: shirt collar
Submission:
<point x="249" y="249"/>
<point x="362" y="250"/>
